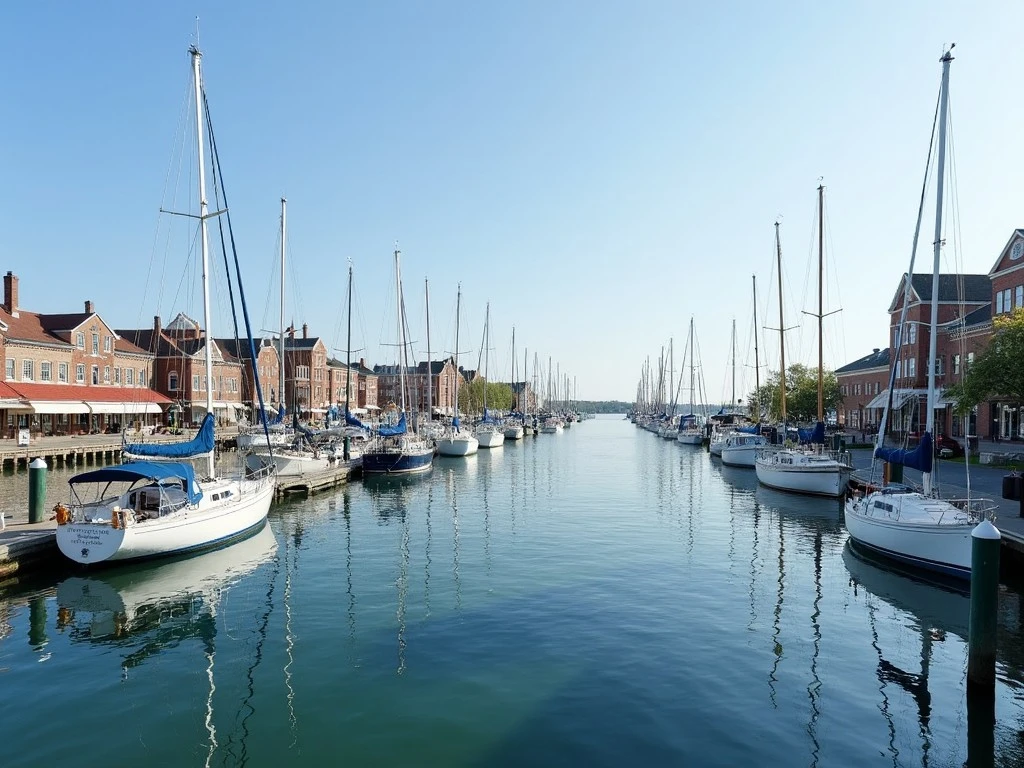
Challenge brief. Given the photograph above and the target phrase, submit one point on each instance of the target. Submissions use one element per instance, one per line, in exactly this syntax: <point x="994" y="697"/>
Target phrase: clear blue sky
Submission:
<point x="599" y="171"/>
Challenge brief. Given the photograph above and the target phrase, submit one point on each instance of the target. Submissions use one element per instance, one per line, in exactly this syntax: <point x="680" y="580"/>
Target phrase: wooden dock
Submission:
<point x="318" y="481"/>
<point x="84" y="449"/>
<point x="23" y="544"/>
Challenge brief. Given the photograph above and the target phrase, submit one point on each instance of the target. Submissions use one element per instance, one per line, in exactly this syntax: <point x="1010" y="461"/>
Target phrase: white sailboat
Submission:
<point x="160" y="507"/>
<point x="514" y="429"/>
<point x="488" y="431"/>
<point x="811" y="470"/>
<point x="691" y="430"/>
<point x="456" y="441"/>
<point x="919" y="528"/>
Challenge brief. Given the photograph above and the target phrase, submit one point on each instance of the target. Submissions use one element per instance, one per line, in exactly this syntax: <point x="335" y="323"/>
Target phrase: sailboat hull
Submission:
<point x="514" y="432"/>
<point x="397" y="463"/>
<point x="214" y="523"/>
<point x="830" y="480"/>
<point x="490" y="438"/>
<point x="457" y="446"/>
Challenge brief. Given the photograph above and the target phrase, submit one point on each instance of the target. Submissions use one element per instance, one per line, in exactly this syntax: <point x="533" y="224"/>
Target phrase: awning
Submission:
<point x="373" y="407"/>
<point x="898" y="400"/>
<point x="124" y="408"/>
<point x="58" y="406"/>
<point x="14" y="405"/>
<point x="944" y="401"/>
<point x="218" y="405"/>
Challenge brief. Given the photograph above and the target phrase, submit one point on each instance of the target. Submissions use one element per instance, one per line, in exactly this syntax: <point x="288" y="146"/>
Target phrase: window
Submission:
<point x="877" y="388"/>
<point x="27" y="370"/>
<point x="95" y="343"/>
<point x="856" y="389"/>
<point x="106" y="374"/>
<point x="9" y="372"/>
<point x="108" y="343"/>
<point x="195" y="382"/>
<point x="80" y="374"/>
<point x="956" y="364"/>
<point x="912" y="334"/>
<point x="1007" y="295"/>
<point x="302" y="372"/>
<point x="899" y="368"/>
<point x="117" y="375"/>
<point x="95" y="374"/>
<point x="142" y="377"/>
<point x="1019" y="302"/>
<point x="912" y="367"/>
<point x="46" y="371"/>
<point x="62" y="373"/>
<point x="172" y="381"/>
<point x="80" y="340"/>
<point x="999" y="302"/>
<point x="970" y="360"/>
<point x="129" y="377"/>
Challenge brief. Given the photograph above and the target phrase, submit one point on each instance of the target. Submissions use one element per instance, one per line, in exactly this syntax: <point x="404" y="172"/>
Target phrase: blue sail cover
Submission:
<point x="754" y="429"/>
<point x="487" y="418"/>
<point x="352" y="421"/>
<point x="816" y="435"/>
<point x="161" y="472"/>
<point x="398" y="429"/>
<point x="279" y="419"/>
<point x="456" y="422"/>
<point x="919" y="458"/>
<point x="202" y="443"/>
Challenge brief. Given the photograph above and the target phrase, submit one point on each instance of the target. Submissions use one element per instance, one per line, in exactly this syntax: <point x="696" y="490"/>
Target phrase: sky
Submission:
<point x="600" y="172"/>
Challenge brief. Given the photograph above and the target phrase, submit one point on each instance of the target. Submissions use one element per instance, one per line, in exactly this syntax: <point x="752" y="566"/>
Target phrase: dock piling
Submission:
<point x="36" y="491"/>
<point x="981" y="655"/>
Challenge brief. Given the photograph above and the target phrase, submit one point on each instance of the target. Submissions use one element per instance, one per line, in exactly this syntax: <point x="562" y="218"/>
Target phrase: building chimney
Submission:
<point x="305" y="331"/>
<point x="157" y="325"/>
<point x="875" y="350"/>
<point x="11" y="293"/>
<point x="89" y="308"/>
<point x="362" y="362"/>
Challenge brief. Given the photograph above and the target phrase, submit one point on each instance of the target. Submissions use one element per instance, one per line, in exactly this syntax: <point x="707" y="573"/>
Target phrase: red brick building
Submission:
<point x="860" y="382"/>
<point x="71" y="373"/>
<point x="306" y="378"/>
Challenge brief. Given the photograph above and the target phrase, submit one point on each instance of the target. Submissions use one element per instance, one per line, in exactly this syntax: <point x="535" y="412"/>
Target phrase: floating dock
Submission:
<point x="312" y="482"/>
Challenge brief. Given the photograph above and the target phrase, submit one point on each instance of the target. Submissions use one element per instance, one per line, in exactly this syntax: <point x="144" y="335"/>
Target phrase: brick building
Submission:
<point x="859" y="383"/>
<point x="438" y="374"/>
<point x="71" y="373"/>
<point x="267" y="364"/>
<point x="179" y="373"/>
<point x="306" y="378"/>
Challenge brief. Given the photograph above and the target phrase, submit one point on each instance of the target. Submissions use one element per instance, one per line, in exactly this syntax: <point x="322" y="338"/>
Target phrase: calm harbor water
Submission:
<point x="600" y="597"/>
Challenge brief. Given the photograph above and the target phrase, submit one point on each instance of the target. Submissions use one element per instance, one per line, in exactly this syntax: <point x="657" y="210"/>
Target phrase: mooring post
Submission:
<point x="36" y="491"/>
<point x="981" y="655"/>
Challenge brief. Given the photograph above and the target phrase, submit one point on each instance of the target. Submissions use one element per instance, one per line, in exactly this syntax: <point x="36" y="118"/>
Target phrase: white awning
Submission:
<point x="357" y="411"/>
<point x="373" y="407"/>
<point x="59" y="406"/>
<point x="14" y="405"/>
<point x="124" y="408"/>
<point x="899" y="398"/>
<point x="218" y="405"/>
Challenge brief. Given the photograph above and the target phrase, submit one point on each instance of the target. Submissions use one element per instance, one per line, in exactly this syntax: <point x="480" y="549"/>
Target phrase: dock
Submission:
<point x="23" y="544"/>
<point x="72" y="450"/>
<point x="312" y="482"/>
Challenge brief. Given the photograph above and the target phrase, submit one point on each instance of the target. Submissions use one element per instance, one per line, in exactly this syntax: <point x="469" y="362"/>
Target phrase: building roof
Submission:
<point x="43" y="329"/>
<point x="436" y="366"/>
<point x="878" y="358"/>
<point x="979" y="316"/>
<point x="971" y="289"/>
<point x="300" y="343"/>
<point x="97" y="394"/>
<point x="236" y="350"/>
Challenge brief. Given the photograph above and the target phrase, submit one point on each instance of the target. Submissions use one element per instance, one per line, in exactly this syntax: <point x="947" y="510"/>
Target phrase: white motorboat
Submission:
<point x="802" y="471"/>
<point x="739" y="449"/>
<point x="513" y="431"/>
<point x="551" y="426"/>
<point x="917" y="527"/>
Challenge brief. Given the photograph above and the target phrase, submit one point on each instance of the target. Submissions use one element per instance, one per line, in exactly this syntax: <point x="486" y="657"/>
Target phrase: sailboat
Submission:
<point x="917" y="527"/>
<point x="690" y="431"/>
<point x="810" y="470"/>
<point x="164" y="508"/>
<point x="457" y="441"/>
<point x="739" y="447"/>
<point x="394" y="450"/>
<point x="488" y="432"/>
<point x="513" y="429"/>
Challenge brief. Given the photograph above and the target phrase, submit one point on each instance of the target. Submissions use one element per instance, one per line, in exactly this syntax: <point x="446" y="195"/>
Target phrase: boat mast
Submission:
<point x="281" y="381"/>
<point x="691" y="364"/>
<point x="430" y="373"/>
<point x="513" y="371"/>
<point x="821" y="309"/>
<point x="732" y="405"/>
<point x="526" y="369"/>
<point x="401" y="325"/>
<point x="782" y="331"/>
<point x="487" y="350"/>
<point x="947" y="58"/>
<point x="671" y="373"/>
<point x="757" y="361"/>
<point x="346" y="445"/>
<point x="197" y="79"/>
<point x="458" y="373"/>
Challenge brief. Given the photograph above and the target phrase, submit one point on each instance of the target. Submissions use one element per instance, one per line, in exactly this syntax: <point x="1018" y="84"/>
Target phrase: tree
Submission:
<point x="801" y="394"/>
<point x="999" y="370"/>
<point x="471" y="396"/>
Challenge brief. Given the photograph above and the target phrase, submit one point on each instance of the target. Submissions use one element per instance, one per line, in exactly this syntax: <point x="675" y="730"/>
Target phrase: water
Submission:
<point x="600" y="597"/>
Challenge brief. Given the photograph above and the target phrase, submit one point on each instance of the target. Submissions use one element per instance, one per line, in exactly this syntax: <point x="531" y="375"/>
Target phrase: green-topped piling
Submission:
<point x="36" y="491"/>
<point x="981" y="655"/>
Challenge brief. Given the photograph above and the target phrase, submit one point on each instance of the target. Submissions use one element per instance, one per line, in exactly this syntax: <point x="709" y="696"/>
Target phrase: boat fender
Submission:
<point x="115" y="517"/>
<point x="63" y="514"/>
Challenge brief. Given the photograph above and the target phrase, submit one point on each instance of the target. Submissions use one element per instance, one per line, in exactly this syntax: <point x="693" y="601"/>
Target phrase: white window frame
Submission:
<point x="117" y="374"/>
<point x="95" y="375"/>
<point x="62" y="373"/>
<point x="129" y="377"/>
<point x="10" y="367"/>
<point x="106" y="374"/>
<point x="80" y="373"/>
<point x="28" y="370"/>
<point x="80" y="340"/>
<point x="46" y="371"/>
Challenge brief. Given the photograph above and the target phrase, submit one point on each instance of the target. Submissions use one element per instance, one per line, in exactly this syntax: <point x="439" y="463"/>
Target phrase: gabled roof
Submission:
<point x="878" y="358"/>
<point x="300" y="343"/>
<point x="147" y="339"/>
<point x="43" y="329"/>
<point x="976" y="289"/>
<point x="235" y="350"/>
<point x="979" y="316"/>
<point x="362" y="370"/>
<point x="436" y="366"/>
<point x="1017" y="234"/>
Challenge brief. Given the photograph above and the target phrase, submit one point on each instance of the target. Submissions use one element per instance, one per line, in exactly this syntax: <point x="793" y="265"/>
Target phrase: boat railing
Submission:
<point x="978" y="508"/>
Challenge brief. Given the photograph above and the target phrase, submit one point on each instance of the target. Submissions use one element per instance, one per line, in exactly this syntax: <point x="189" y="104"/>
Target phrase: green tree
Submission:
<point x="999" y="370"/>
<point x="471" y="397"/>
<point x="801" y="394"/>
